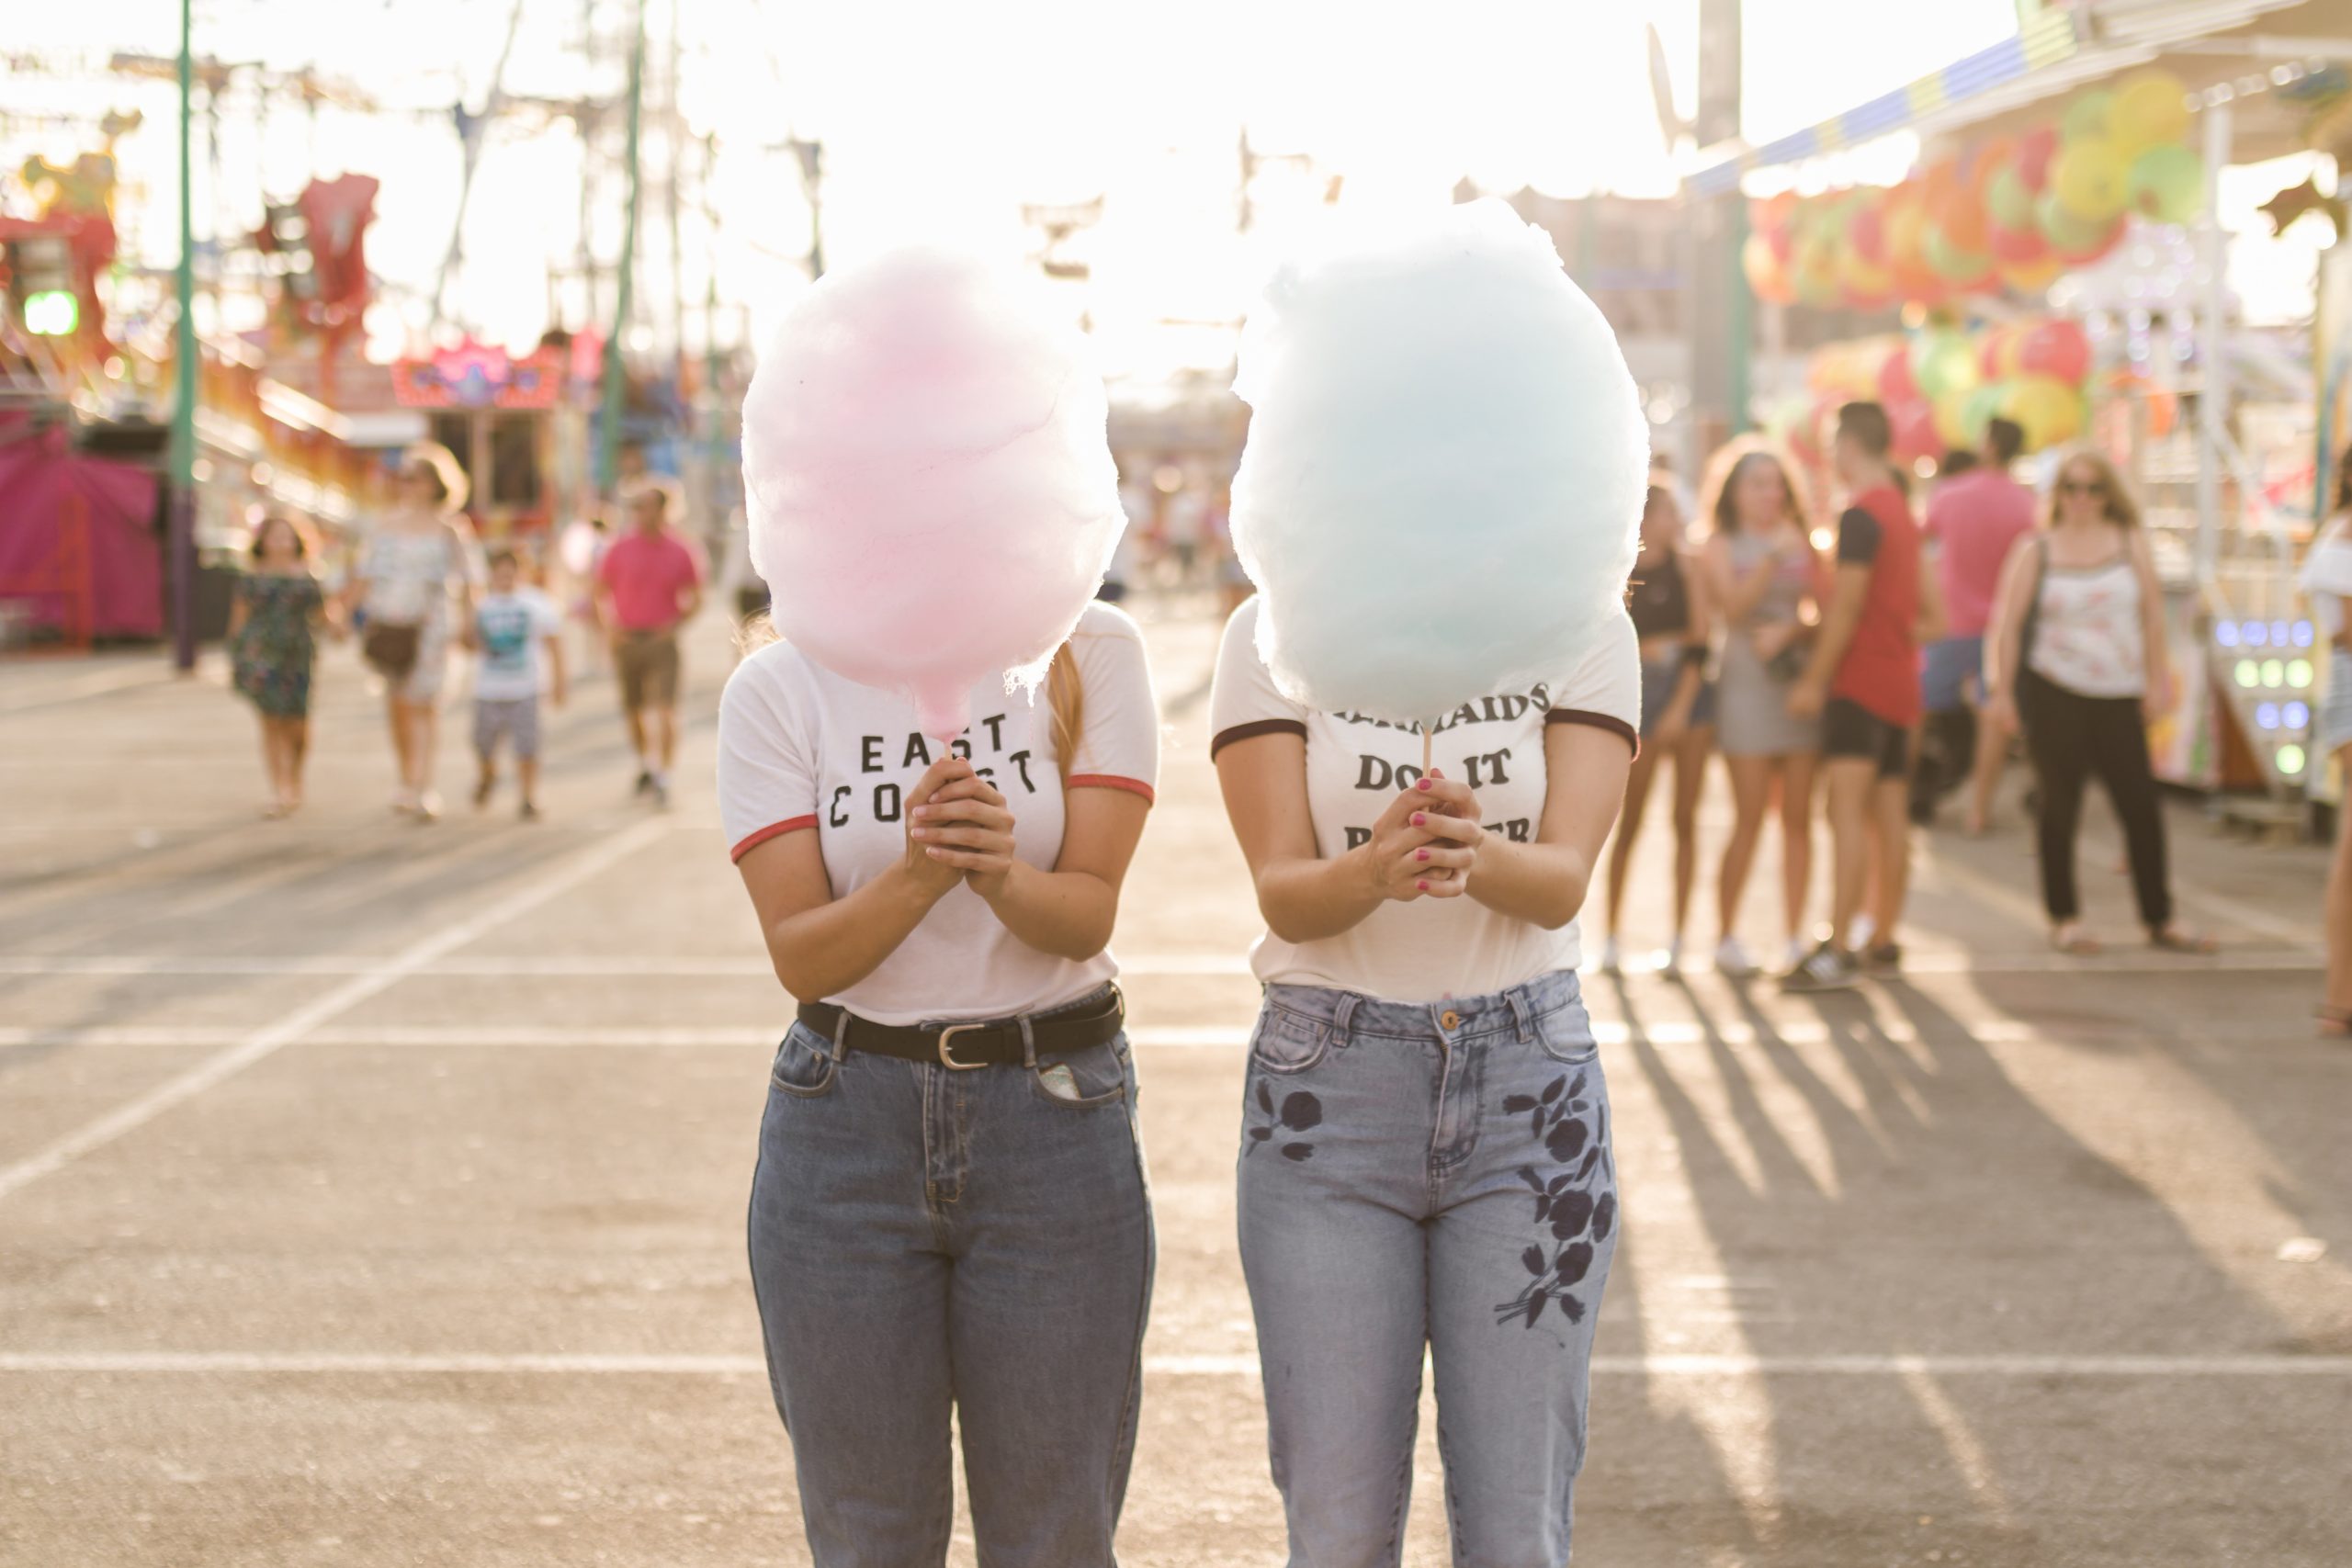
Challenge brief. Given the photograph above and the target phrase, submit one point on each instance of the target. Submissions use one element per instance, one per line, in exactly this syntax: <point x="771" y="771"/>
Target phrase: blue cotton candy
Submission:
<point x="1441" y="493"/>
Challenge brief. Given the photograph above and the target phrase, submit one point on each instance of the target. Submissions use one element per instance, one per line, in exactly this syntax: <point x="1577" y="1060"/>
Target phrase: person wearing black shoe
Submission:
<point x="1863" y="682"/>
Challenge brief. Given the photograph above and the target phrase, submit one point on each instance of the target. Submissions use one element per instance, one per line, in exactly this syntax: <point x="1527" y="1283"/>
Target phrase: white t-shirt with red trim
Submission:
<point x="803" y="749"/>
<point x="1430" y="948"/>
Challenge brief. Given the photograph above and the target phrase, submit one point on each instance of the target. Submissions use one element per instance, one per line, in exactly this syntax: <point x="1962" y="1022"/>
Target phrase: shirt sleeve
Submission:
<point x="1118" y="741"/>
<point x="767" y="778"/>
<point x="1858" y="537"/>
<point x="1605" y="688"/>
<point x="1243" y="699"/>
<point x="467" y="557"/>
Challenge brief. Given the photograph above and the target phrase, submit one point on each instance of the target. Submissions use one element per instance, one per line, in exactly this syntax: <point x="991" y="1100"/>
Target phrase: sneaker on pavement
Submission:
<point x="1612" y="961"/>
<point x="1669" y="957"/>
<point x="661" y="792"/>
<point x="644" y="781"/>
<point x="1828" y="969"/>
<point x="1731" y="959"/>
<point x="529" y="811"/>
<point x="1886" y="958"/>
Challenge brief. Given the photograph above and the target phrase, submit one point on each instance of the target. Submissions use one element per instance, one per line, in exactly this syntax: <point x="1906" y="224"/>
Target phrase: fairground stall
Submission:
<point x="2065" y="255"/>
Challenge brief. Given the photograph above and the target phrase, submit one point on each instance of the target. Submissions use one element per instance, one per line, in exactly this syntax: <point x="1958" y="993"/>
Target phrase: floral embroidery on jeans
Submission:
<point x="1576" y="1221"/>
<point x="1299" y="1112"/>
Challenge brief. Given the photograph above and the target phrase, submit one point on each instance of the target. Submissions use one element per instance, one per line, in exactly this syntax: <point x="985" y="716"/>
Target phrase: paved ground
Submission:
<point x="372" y="1194"/>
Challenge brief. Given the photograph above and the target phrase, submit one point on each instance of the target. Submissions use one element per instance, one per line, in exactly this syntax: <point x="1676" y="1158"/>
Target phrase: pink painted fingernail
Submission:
<point x="1419" y="819"/>
<point x="1423" y="886"/>
<point x="1421" y="855"/>
<point x="1420" y="784"/>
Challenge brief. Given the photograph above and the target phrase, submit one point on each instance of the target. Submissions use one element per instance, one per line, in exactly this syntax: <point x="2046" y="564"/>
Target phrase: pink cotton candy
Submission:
<point x="928" y="478"/>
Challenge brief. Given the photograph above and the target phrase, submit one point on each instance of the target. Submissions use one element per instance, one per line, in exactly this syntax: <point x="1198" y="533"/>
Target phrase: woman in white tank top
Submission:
<point x="2077" y="655"/>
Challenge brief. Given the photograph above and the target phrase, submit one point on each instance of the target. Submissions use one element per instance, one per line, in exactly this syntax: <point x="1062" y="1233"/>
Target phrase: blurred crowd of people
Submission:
<point x="1854" y="667"/>
<point x="1858" y="668"/>
<point x="421" y="592"/>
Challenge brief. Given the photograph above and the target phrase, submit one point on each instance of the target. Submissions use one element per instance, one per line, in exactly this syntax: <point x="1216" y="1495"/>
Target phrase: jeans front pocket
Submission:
<point x="1565" y="1036"/>
<point x="1096" y="1076"/>
<point x="1285" y="1042"/>
<point x="804" y="1066"/>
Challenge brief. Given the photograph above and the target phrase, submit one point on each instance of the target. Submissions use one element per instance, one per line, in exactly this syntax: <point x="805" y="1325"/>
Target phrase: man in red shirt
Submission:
<point x="1971" y="523"/>
<point x="647" y="584"/>
<point x="1863" y="683"/>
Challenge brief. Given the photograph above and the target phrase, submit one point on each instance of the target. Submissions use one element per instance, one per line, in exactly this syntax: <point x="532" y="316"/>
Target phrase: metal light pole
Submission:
<point x="1720" y="315"/>
<point x="608" y="423"/>
<point x="183" y="451"/>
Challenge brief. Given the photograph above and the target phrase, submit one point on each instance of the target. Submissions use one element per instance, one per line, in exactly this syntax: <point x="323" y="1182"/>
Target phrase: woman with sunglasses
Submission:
<point x="419" y="555"/>
<point x="2077" y="654"/>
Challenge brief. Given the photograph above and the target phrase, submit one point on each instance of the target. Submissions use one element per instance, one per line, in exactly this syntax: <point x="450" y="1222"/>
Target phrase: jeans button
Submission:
<point x="1451" y="1021"/>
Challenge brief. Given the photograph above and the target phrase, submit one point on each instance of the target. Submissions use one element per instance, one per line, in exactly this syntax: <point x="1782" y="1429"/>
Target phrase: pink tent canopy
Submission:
<point x="38" y="474"/>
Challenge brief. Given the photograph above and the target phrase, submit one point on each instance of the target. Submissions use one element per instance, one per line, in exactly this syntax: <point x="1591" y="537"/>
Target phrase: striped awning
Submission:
<point x="2047" y="39"/>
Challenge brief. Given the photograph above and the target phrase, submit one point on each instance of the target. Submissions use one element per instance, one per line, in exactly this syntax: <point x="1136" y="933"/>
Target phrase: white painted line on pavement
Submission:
<point x="99" y="682"/>
<point x="2297" y="961"/>
<point x="2301" y="938"/>
<point x="395" y="1363"/>
<point x="268" y="1039"/>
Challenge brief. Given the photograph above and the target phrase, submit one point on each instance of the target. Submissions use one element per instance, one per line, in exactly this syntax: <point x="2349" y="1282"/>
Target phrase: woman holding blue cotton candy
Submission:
<point x="1422" y="725"/>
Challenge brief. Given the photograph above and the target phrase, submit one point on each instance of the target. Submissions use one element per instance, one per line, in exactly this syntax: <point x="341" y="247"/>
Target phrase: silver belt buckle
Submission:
<point x="947" y="1056"/>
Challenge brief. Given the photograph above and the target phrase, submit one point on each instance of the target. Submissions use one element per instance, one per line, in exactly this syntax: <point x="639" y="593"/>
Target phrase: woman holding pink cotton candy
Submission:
<point x="949" y="1212"/>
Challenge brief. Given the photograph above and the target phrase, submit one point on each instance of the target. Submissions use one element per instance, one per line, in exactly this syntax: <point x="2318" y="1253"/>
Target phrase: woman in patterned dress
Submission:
<point x="273" y="625"/>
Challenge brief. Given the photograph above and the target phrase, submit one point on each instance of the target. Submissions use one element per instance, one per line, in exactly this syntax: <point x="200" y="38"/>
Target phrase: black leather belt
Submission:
<point x="993" y="1044"/>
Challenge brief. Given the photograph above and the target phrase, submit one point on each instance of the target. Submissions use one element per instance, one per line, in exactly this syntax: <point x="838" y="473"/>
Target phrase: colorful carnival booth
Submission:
<point x="2060" y="257"/>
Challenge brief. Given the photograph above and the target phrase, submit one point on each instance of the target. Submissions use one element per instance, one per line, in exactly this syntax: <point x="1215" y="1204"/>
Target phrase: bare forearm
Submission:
<point x="1544" y="885"/>
<point x="1829" y="647"/>
<point x="828" y="949"/>
<point x="1306" y="900"/>
<point x="1066" y="913"/>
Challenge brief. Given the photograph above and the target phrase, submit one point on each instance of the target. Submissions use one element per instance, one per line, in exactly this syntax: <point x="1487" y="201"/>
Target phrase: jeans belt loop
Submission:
<point x="841" y="1037"/>
<point x="1521" y="1022"/>
<point x="1342" y="1019"/>
<point x="1028" y="1043"/>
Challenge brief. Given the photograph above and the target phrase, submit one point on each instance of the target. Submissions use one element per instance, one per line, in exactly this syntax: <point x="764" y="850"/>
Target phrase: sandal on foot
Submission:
<point x="2334" y="1024"/>
<point x="2073" y="940"/>
<point x="2172" y="939"/>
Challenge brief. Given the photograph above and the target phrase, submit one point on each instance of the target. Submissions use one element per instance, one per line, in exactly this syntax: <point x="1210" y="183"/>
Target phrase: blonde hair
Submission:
<point x="1066" y="698"/>
<point x="2122" y="509"/>
<point x="448" y="472"/>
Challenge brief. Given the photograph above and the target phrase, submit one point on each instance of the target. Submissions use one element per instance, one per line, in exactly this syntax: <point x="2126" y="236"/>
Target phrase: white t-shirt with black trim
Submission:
<point x="801" y="748"/>
<point x="1356" y="766"/>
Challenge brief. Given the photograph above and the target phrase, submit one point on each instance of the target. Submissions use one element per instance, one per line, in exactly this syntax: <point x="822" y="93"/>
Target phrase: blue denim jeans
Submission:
<point x="922" y="1238"/>
<point x="1435" y="1175"/>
